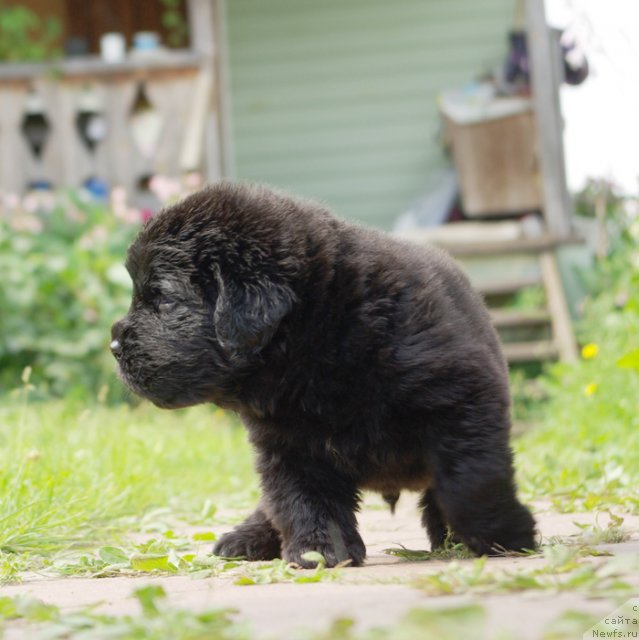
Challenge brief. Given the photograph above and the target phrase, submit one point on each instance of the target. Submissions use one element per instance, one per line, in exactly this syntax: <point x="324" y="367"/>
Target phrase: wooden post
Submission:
<point x="205" y="126"/>
<point x="556" y="302"/>
<point x="546" y="78"/>
<point x="14" y="154"/>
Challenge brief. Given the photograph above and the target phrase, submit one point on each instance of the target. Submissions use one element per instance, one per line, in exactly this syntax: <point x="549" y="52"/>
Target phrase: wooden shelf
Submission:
<point x="530" y="351"/>
<point x="96" y="66"/>
<point x="507" y="318"/>
<point x="506" y="286"/>
<point x="518" y="245"/>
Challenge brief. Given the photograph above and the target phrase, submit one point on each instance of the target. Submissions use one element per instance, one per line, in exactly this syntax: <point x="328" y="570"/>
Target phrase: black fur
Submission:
<point x="355" y="362"/>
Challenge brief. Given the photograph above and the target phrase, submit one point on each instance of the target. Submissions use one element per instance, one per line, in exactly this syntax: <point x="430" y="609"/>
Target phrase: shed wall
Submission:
<point x="336" y="100"/>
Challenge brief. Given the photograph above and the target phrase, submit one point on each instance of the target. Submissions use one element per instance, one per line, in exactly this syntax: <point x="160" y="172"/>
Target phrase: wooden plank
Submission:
<point x="518" y="352"/>
<point x="556" y="300"/>
<point x="205" y="26"/>
<point x="486" y="238"/>
<point x="92" y="67"/>
<point x="167" y="99"/>
<point x="506" y="286"/>
<point x="545" y="79"/>
<point x="507" y="318"/>
<point x="99" y="164"/>
<point x="75" y="163"/>
<point x="225" y="134"/>
<point x="125" y="162"/>
<point x="201" y="17"/>
<point x="214" y="139"/>
<point x="465" y="232"/>
<point x="50" y="168"/>
<point x="520" y="245"/>
<point x="194" y="137"/>
<point x="67" y="141"/>
<point x="14" y="153"/>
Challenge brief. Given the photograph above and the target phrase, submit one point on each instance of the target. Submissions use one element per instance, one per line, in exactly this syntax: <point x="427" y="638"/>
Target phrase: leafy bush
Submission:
<point x="63" y="284"/>
<point x="586" y="453"/>
<point x="24" y="35"/>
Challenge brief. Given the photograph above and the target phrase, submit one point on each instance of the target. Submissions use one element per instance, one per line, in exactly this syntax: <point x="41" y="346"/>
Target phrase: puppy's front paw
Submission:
<point x="352" y="551"/>
<point x="256" y="543"/>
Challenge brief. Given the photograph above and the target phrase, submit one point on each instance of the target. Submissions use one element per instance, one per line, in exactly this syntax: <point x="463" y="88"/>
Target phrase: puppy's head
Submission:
<point x="210" y="289"/>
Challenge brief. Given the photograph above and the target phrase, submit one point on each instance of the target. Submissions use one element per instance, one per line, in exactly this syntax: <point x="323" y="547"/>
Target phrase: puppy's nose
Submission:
<point x="116" y="348"/>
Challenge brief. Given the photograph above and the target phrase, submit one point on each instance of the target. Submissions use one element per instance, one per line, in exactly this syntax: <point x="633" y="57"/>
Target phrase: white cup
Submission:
<point x="112" y="47"/>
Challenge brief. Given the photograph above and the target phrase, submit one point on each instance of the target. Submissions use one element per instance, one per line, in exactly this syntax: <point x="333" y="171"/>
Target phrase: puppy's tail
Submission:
<point x="391" y="500"/>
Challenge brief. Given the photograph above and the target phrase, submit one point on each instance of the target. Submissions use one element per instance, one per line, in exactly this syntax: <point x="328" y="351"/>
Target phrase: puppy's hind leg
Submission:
<point x="475" y="491"/>
<point x="433" y="520"/>
<point x="254" y="539"/>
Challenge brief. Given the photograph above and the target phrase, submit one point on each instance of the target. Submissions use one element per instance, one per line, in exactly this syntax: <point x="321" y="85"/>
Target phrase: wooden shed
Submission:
<point x="333" y="100"/>
<point x="338" y="100"/>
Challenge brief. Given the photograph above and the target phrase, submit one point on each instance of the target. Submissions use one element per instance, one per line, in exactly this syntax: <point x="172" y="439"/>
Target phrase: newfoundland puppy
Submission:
<point x="355" y="362"/>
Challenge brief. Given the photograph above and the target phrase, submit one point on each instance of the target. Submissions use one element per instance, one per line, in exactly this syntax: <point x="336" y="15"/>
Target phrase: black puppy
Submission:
<point x="355" y="362"/>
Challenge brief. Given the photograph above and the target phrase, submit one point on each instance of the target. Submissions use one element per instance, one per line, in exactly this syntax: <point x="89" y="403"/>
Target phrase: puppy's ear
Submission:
<point x="248" y="313"/>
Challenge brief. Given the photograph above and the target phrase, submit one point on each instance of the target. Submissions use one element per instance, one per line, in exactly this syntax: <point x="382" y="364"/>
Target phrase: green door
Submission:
<point x="336" y="99"/>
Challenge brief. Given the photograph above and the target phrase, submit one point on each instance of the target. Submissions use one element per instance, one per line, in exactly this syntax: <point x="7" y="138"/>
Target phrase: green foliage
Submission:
<point x="599" y="192"/>
<point x="585" y="453"/>
<point x="69" y="509"/>
<point x="565" y="569"/>
<point x="282" y="571"/>
<point x="528" y="396"/>
<point x="450" y="623"/>
<point x="24" y="607"/>
<point x="569" y="625"/>
<point x="120" y="470"/>
<point x="63" y="285"/>
<point x="158" y="556"/>
<point x="613" y="533"/>
<point x="173" y="21"/>
<point x="26" y="36"/>
<point x="156" y="621"/>
<point x="529" y="299"/>
<point x="450" y="550"/>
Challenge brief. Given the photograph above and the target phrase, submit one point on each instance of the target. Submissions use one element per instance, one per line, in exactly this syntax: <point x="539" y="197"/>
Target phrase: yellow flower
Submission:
<point x="589" y="351"/>
<point x="590" y="389"/>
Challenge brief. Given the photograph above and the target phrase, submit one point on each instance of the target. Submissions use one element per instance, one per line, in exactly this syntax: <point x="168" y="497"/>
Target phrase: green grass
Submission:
<point x="77" y="477"/>
<point x="450" y="551"/>
<point x="565" y="568"/>
<point x="157" y="620"/>
<point x="77" y="482"/>
<point x="583" y="455"/>
<point x="73" y="477"/>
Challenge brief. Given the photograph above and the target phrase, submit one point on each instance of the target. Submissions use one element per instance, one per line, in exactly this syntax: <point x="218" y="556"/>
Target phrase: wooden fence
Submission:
<point x="146" y="116"/>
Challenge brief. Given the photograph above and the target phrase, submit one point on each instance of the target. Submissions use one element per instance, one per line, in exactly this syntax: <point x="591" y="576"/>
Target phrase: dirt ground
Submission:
<point x="374" y="595"/>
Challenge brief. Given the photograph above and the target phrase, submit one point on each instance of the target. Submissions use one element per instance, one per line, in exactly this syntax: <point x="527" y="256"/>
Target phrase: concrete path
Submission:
<point x="377" y="594"/>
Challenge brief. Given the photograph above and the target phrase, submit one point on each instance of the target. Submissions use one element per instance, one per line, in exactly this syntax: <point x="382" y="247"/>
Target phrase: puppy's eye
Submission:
<point x="165" y="304"/>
